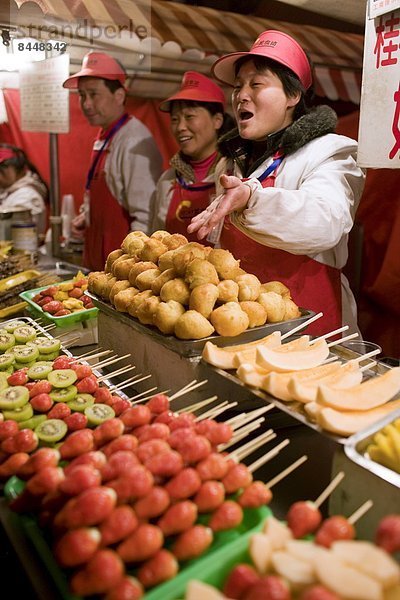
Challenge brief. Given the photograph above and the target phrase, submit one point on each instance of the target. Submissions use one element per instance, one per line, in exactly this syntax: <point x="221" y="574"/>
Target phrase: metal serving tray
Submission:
<point x="356" y="450"/>
<point x="190" y="348"/>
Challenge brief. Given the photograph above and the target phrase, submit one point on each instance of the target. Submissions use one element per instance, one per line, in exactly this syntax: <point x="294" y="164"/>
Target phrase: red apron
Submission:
<point x="109" y="221"/>
<point x="312" y="285"/>
<point x="186" y="204"/>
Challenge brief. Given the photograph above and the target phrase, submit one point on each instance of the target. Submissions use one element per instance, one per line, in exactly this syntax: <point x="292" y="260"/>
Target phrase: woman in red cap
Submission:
<point x="293" y="185"/>
<point x="197" y="119"/>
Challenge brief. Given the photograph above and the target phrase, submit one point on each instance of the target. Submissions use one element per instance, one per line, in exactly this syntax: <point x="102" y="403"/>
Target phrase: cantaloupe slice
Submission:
<point x="392" y="593"/>
<point x="312" y="409"/>
<point x="248" y="355"/>
<point x="365" y="396"/>
<point x="251" y="375"/>
<point x="276" y="384"/>
<point x="223" y="358"/>
<point x="197" y="590"/>
<point x="368" y="558"/>
<point x="344" y="580"/>
<point x="347" y="376"/>
<point x="296" y="360"/>
<point x="347" y="423"/>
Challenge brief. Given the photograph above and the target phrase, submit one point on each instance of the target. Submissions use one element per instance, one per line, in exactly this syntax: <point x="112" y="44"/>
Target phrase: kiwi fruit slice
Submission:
<point x="51" y="356"/>
<point x="61" y="378"/>
<point x="24" y="334"/>
<point x="63" y="394"/>
<point x="25" y="354"/>
<point x="98" y="413"/>
<point x="14" y="397"/>
<point x="46" y="345"/>
<point x="12" y="325"/>
<point x="3" y="380"/>
<point x="18" y="365"/>
<point x="33" y="422"/>
<point x="19" y="414"/>
<point x="7" y="340"/>
<point x="39" y="370"/>
<point x="51" y="430"/>
<point x="6" y="360"/>
<point x="81" y="402"/>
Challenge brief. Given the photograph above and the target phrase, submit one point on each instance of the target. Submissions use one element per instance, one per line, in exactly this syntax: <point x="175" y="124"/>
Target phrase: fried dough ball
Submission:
<point x="176" y="240"/>
<point x="229" y="319"/>
<point x="175" y="289"/>
<point x="107" y="287"/>
<point x="249" y="287"/>
<point x="96" y="281"/>
<point x="139" y="268"/>
<point x="118" y="286"/>
<point x="228" y="291"/>
<point x="152" y="250"/>
<point x="145" y="279"/>
<point x="291" y="309"/>
<point x="137" y="301"/>
<point x="256" y="313"/>
<point x="277" y="287"/>
<point x="120" y="258"/>
<point x="132" y="236"/>
<point x="113" y="257"/>
<point x="135" y="246"/>
<point x="123" y="299"/>
<point x="121" y="267"/>
<point x="224" y="262"/>
<point x="274" y="305"/>
<point x="147" y="309"/>
<point x="193" y="326"/>
<point x="185" y="254"/>
<point x="166" y="260"/>
<point x="162" y="278"/>
<point x="200" y="271"/>
<point x="161" y="235"/>
<point x="166" y="316"/>
<point x="203" y="299"/>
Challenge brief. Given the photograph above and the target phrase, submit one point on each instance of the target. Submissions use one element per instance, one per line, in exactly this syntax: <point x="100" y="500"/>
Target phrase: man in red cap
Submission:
<point x="198" y="117"/>
<point x="293" y="186"/>
<point x="125" y="163"/>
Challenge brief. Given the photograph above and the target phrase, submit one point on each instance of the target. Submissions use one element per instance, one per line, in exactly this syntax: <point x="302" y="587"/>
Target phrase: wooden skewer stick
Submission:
<point x="328" y="335"/>
<point x="234" y="420"/>
<point x="145" y="398"/>
<point x="197" y="405"/>
<point x="135" y="398"/>
<point x="239" y="436"/>
<point x="71" y="342"/>
<point x="286" y="471"/>
<point x="89" y="352"/>
<point x="302" y="325"/>
<point x="368" y="366"/>
<point x="252" y="415"/>
<point x="88" y="357"/>
<point x="215" y="411"/>
<point x="329" y="360"/>
<point x="364" y="356"/>
<point x="66" y="333"/>
<point x="111" y="361"/>
<point x="186" y="386"/>
<point x="187" y="390"/>
<point x="129" y="382"/>
<point x="249" y="427"/>
<point x="360" y="512"/>
<point x="271" y="454"/>
<point x="329" y="489"/>
<point x="120" y="371"/>
<point x="243" y="451"/>
<point x="345" y="339"/>
<point x="115" y="388"/>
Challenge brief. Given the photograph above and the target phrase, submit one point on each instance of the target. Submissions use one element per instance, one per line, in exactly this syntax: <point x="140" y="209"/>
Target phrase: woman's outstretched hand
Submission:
<point x="234" y="197"/>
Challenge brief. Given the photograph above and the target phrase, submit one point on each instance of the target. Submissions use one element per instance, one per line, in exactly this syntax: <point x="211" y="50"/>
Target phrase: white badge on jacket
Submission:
<point x="86" y="207"/>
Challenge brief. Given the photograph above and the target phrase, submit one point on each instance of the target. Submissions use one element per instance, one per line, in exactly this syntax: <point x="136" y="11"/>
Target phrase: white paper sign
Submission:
<point x="379" y="129"/>
<point x="44" y="102"/>
<point x="380" y="7"/>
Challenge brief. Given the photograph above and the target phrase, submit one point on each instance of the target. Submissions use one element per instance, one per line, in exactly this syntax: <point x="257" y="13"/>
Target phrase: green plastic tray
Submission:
<point x="211" y="567"/>
<point x="36" y="310"/>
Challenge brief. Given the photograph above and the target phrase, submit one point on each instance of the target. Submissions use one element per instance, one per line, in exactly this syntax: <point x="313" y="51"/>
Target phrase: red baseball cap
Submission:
<point x="7" y="153"/>
<point x="196" y="87"/>
<point x="271" y="44"/>
<point x="97" y="64"/>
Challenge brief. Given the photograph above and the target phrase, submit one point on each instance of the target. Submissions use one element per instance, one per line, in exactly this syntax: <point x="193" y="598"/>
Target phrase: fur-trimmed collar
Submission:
<point x="316" y="123"/>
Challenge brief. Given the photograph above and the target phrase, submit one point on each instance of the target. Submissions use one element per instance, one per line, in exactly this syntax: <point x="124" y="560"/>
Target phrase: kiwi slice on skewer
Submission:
<point x="12" y="325"/>
<point x="51" y="430"/>
<point x="81" y="402"/>
<point x="63" y="394"/>
<point x="14" y="397"/>
<point x="39" y="370"/>
<point x="98" y="413"/>
<point x="33" y="422"/>
<point x="3" y="380"/>
<point x="6" y="360"/>
<point x="61" y="378"/>
<point x="46" y="345"/>
<point x="52" y="356"/>
<point x="24" y="334"/>
<point x="25" y="354"/>
<point x="19" y="414"/>
<point x="7" y="340"/>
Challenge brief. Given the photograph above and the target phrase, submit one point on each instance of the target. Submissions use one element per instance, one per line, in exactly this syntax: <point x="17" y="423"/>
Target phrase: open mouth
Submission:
<point x="245" y="115"/>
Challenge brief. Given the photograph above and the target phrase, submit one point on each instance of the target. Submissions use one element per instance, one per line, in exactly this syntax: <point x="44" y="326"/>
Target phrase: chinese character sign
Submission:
<point x="379" y="131"/>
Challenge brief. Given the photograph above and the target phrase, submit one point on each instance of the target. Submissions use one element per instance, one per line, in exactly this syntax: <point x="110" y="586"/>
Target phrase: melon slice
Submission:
<point x="197" y="590"/>
<point x="295" y="360"/>
<point x="296" y="571"/>
<point x="223" y="357"/>
<point x="347" y="423"/>
<point x="278" y="532"/>
<point x="365" y="396"/>
<point x="248" y="354"/>
<point x="344" y="580"/>
<point x="306" y="391"/>
<point x="312" y="409"/>
<point x="276" y="384"/>
<point x="260" y="550"/>
<point x="251" y="375"/>
<point x="368" y="558"/>
<point x="303" y="549"/>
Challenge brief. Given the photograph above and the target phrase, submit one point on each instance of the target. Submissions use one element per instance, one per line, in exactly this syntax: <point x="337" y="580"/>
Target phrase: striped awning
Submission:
<point x="158" y="40"/>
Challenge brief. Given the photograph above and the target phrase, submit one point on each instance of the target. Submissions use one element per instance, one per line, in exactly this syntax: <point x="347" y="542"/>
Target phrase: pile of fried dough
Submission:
<point x="187" y="289"/>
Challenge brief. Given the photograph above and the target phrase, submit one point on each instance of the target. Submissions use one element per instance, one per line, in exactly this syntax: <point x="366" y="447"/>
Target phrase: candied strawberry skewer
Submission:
<point x="338" y="527"/>
<point x="388" y="533"/>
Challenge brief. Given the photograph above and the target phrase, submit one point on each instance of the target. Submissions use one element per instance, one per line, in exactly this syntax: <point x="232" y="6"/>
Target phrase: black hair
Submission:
<point x="113" y="85"/>
<point x="21" y="163"/>
<point x="213" y="108"/>
<point x="290" y="81"/>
